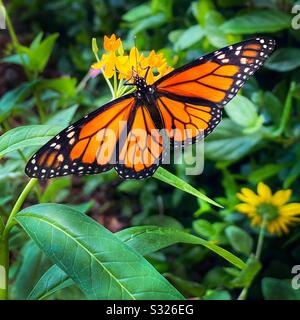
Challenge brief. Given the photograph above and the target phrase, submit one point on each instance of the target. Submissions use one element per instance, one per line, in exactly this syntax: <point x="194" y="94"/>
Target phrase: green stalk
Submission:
<point x="260" y="241"/>
<point x="4" y="248"/>
<point x="4" y="258"/>
<point x="286" y="112"/>
<point x="109" y="85"/>
<point x="40" y="107"/>
<point x="11" y="29"/>
<point x="83" y="82"/>
<point x="115" y="85"/>
<point x="14" y="39"/>
<point x="11" y="222"/>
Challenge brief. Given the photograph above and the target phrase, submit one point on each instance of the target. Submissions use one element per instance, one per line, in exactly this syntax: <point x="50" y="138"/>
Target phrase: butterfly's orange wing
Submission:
<point x="143" y="147"/>
<point x="191" y="97"/>
<point x="86" y="147"/>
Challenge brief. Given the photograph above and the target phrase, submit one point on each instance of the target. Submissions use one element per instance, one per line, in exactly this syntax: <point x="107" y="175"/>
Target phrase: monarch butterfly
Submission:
<point x="187" y="103"/>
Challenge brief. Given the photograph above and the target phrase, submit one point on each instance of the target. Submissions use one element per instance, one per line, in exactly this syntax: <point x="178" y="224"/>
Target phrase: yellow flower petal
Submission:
<point x="281" y="197"/>
<point x="98" y="65"/>
<point x="256" y="221"/>
<point x="272" y="227"/>
<point x="290" y="209"/>
<point x="245" y="208"/>
<point x="248" y="196"/>
<point x="264" y="192"/>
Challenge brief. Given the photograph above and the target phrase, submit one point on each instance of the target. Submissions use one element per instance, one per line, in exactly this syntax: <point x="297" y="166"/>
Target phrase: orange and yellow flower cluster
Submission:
<point x="114" y="60"/>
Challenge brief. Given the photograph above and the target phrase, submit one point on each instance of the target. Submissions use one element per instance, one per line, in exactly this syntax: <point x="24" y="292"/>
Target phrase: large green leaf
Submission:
<point x="26" y="136"/>
<point x="100" y="264"/>
<point x="144" y="240"/>
<point x="261" y="21"/>
<point x="147" y="239"/>
<point x="168" y="177"/>
<point x="284" y="59"/>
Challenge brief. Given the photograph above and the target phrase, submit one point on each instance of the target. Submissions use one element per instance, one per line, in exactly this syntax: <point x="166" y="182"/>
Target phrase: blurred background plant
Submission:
<point x="45" y="83"/>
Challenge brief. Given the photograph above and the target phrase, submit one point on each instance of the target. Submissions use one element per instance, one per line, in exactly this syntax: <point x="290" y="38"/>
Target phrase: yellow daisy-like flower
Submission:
<point x="271" y="208"/>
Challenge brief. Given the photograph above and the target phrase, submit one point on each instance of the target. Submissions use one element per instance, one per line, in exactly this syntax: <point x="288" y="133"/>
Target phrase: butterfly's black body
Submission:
<point x="146" y="95"/>
<point x="191" y="96"/>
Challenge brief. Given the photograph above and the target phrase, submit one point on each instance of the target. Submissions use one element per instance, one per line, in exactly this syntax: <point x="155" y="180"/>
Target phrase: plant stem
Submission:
<point x="109" y="84"/>
<point x="115" y="85"/>
<point x="4" y="248"/>
<point x="40" y="107"/>
<point x="286" y="112"/>
<point x="10" y="28"/>
<point x="11" y="222"/>
<point x="81" y="85"/>
<point x="4" y="258"/>
<point x="14" y="39"/>
<point x="260" y="241"/>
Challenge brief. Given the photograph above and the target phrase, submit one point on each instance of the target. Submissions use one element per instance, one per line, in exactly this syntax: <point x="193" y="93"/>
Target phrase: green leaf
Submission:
<point x="292" y="176"/>
<point x="40" y="55"/>
<point x="163" y="221"/>
<point x="148" y="239"/>
<point x="144" y="240"/>
<point x="189" y="37"/>
<point x="53" y="189"/>
<point x="190" y="288"/>
<point x="214" y="31"/>
<point x="229" y="143"/>
<point x="25" y="136"/>
<point x="137" y="13"/>
<point x="83" y="207"/>
<point x="34" y="264"/>
<point x="284" y="59"/>
<point x="66" y="86"/>
<point x="153" y="21"/>
<point x="201" y="8"/>
<point x="131" y="186"/>
<point x="204" y="228"/>
<point x="21" y="59"/>
<point x="242" y="111"/>
<point x="239" y="239"/>
<point x="53" y="279"/>
<point x="9" y="101"/>
<point x="99" y="263"/>
<point x="217" y="295"/>
<point x="247" y="275"/>
<point x="259" y="21"/>
<point x="265" y="172"/>
<point x="63" y="117"/>
<point x="168" y="177"/>
<point x="276" y="289"/>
